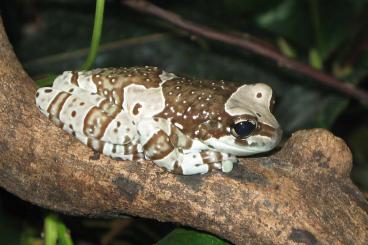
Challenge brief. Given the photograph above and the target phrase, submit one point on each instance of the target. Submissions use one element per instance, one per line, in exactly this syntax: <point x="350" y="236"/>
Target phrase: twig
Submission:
<point x="79" y="53"/>
<point x="249" y="45"/>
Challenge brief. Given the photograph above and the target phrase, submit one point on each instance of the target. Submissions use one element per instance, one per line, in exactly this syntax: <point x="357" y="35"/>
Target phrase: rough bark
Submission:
<point x="300" y="194"/>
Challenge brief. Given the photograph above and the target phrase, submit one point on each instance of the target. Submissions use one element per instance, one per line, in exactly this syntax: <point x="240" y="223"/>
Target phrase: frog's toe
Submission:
<point x="227" y="166"/>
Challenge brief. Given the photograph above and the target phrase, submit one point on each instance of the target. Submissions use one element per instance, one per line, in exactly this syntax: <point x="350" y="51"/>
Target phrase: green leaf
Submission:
<point x="324" y="25"/>
<point x="315" y="59"/>
<point x="181" y="236"/>
<point x="47" y="81"/>
<point x="30" y="237"/>
<point x="96" y="35"/>
<point x="64" y="235"/>
<point x="51" y="230"/>
<point x="285" y="47"/>
<point x="55" y="231"/>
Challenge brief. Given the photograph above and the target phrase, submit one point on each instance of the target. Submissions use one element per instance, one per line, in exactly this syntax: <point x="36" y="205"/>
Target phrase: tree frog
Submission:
<point x="183" y="125"/>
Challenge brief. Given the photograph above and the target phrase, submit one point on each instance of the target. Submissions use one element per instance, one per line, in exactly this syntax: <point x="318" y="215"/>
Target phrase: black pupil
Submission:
<point x="244" y="128"/>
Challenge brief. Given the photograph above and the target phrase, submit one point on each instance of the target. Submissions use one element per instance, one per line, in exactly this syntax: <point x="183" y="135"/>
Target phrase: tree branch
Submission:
<point x="251" y="46"/>
<point x="300" y="194"/>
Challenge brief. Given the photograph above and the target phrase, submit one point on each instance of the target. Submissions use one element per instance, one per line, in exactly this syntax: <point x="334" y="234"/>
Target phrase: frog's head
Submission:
<point x="251" y="127"/>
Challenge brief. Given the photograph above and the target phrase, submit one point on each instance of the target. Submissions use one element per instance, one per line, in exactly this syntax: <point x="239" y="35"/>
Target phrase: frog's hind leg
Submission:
<point x="127" y="151"/>
<point x="82" y="84"/>
<point x="113" y="135"/>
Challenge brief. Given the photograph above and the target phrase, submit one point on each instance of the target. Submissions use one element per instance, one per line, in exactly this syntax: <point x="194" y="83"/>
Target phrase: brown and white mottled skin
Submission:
<point x="182" y="125"/>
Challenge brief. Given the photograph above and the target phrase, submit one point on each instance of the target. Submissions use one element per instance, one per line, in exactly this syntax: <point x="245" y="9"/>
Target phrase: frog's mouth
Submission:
<point x="252" y="145"/>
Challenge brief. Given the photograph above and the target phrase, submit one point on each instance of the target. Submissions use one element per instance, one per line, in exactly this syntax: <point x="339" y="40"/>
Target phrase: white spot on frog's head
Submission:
<point x="253" y="100"/>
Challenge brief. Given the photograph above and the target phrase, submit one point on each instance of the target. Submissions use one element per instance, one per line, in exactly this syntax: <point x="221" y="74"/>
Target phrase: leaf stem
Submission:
<point x="96" y="35"/>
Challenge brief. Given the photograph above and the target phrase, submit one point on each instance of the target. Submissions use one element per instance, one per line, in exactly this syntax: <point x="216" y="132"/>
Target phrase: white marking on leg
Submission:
<point x="169" y="160"/>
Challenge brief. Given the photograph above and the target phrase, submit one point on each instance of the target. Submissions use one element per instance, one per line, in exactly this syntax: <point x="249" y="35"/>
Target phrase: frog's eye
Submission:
<point x="243" y="129"/>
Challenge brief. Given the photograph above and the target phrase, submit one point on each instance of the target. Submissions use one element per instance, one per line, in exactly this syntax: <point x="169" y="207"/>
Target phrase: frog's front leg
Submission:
<point x="162" y="144"/>
<point x="213" y="159"/>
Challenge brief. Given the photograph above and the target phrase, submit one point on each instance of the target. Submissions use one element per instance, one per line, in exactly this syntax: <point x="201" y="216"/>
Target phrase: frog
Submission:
<point x="183" y="125"/>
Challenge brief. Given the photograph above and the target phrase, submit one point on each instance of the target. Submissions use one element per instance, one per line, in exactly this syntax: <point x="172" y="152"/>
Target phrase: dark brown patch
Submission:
<point x="188" y="143"/>
<point x="192" y="181"/>
<point x="99" y="147"/>
<point x="48" y="90"/>
<point x="96" y="156"/>
<point x="211" y="129"/>
<point x="71" y="90"/>
<point x="111" y="109"/>
<point x="174" y="136"/>
<point x="177" y="168"/>
<point x="126" y="140"/>
<point x="137" y="156"/>
<point x="259" y="95"/>
<point x="71" y="126"/>
<point x="136" y="108"/>
<point x="265" y="130"/>
<point x="127" y="188"/>
<point x="115" y="130"/>
<point x="74" y="113"/>
<point x="74" y="79"/>
<point x="37" y="94"/>
<point x="95" y="79"/>
<point x="322" y="160"/>
<point x="159" y="143"/>
<point x="303" y="236"/>
<point x="4" y="147"/>
<point x="207" y="157"/>
<point x="73" y="133"/>
<point x="130" y="149"/>
<point x="89" y="142"/>
<point x="81" y="104"/>
<point x="118" y="124"/>
<point x="243" y="174"/>
<point x="90" y="122"/>
<point x="244" y="142"/>
<point x="57" y="103"/>
<point x="114" y="148"/>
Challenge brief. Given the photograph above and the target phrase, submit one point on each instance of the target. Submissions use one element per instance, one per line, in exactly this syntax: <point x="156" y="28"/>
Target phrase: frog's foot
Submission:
<point x="203" y="162"/>
<point x="225" y="166"/>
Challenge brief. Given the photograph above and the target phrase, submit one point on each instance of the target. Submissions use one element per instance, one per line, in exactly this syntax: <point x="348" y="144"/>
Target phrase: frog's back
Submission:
<point x="192" y="102"/>
<point x="110" y="82"/>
